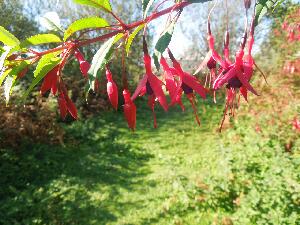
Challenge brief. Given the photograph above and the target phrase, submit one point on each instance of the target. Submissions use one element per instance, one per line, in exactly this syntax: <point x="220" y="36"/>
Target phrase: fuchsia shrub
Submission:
<point x="235" y="76"/>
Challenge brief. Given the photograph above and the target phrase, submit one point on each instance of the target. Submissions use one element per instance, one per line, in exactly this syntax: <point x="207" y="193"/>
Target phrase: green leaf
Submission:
<point x="85" y="23"/>
<point x="132" y="36"/>
<point x="3" y="75"/>
<point x="46" y="64"/>
<point x="102" y="4"/>
<point x="162" y="44"/>
<point x="262" y="8"/>
<point x="19" y="68"/>
<point x="146" y="6"/>
<point x="8" y="85"/>
<point x="11" y="76"/>
<point x="7" y="38"/>
<point x="51" y="21"/>
<point x="38" y="40"/>
<point x="3" y="56"/>
<point x="99" y="58"/>
<point x="118" y="37"/>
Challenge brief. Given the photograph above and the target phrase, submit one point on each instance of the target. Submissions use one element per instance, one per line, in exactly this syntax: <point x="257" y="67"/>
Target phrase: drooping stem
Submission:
<point x="155" y="15"/>
<point x="124" y="75"/>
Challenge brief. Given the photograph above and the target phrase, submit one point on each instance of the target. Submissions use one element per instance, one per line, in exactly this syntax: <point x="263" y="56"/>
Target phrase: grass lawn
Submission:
<point x="176" y="174"/>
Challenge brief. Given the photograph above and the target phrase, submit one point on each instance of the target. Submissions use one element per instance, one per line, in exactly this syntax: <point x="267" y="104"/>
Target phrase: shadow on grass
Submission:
<point x="79" y="184"/>
<point x="84" y="182"/>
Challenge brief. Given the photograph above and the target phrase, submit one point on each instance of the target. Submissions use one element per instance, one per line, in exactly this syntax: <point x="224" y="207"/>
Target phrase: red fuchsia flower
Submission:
<point x="188" y="84"/>
<point x="112" y="89"/>
<point x="284" y="25"/>
<point x="84" y="65"/>
<point x="212" y="57"/>
<point x="171" y="83"/>
<point x="234" y="75"/>
<point x="129" y="110"/>
<point x="230" y="103"/>
<point x="65" y="103"/>
<point x="152" y="85"/>
<point x="247" y="4"/>
<point x="50" y="81"/>
<point x="296" y="124"/>
<point x="238" y="74"/>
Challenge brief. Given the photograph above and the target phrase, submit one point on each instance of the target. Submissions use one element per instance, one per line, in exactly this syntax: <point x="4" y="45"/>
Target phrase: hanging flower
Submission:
<point x="188" y="84"/>
<point x="84" y="65"/>
<point x="65" y="103"/>
<point x="296" y="124"/>
<point x="171" y="83"/>
<point x="129" y="110"/>
<point x="112" y="89"/>
<point x="50" y="81"/>
<point x="152" y="85"/>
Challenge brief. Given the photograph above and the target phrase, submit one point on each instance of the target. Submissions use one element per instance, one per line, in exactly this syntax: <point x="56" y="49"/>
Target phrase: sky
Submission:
<point x="180" y="41"/>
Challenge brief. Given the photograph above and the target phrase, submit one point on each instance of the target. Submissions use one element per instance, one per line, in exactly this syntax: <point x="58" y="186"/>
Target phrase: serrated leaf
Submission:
<point x="51" y="21"/>
<point x="101" y="4"/>
<point x="132" y="36"/>
<point x="3" y="56"/>
<point x="146" y="6"/>
<point x="40" y="39"/>
<point x="46" y="64"/>
<point x="118" y="37"/>
<point x="85" y="23"/>
<point x="8" y="84"/>
<point x="98" y="61"/>
<point x="262" y="8"/>
<point x="3" y="75"/>
<point x="162" y="44"/>
<point x="11" y="78"/>
<point x="7" y="38"/>
<point x="19" y="68"/>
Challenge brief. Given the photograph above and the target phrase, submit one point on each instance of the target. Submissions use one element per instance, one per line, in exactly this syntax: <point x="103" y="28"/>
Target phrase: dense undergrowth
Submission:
<point x="176" y="174"/>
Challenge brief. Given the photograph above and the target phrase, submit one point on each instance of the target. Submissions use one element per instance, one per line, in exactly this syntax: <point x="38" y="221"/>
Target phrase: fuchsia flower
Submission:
<point x="54" y="82"/>
<point x="234" y="75"/>
<point x="65" y="103"/>
<point x="188" y="84"/>
<point x="152" y="84"/>
<point x="212" y="57"/>
<point x="84" y="65"/>
<point x="296" y="124"/>
<point x="50" y="81"/>
<point x="171" y="83"/>
<point x="129" y="110"/>
<point x="112" y="89"/>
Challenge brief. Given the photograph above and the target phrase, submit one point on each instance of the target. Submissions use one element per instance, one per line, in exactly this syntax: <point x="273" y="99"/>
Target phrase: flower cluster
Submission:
<point x="232" y="73"/>
<point x="292" y="26"/>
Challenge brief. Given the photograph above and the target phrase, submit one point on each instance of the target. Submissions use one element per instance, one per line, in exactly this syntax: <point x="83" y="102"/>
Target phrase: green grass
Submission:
<point x="176" y="174"/>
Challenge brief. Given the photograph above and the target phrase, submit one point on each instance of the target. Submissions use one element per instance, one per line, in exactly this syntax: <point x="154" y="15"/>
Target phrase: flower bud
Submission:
<point x="247" y="4"/>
